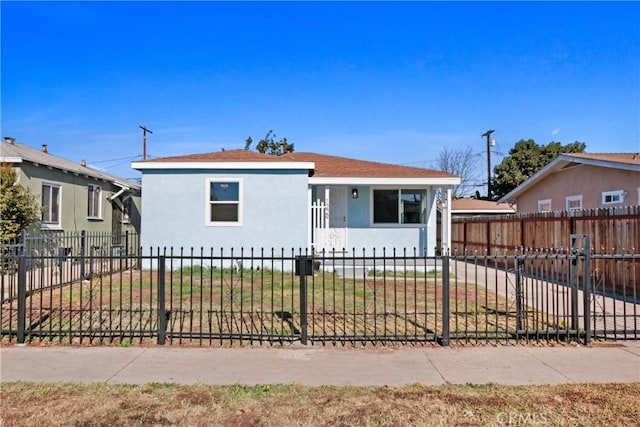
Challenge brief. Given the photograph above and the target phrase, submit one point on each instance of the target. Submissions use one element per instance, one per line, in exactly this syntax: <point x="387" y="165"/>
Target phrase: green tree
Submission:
<point x="269" y="145"/>
<point x="525" y="159"/>
<point x="18" y="207"/>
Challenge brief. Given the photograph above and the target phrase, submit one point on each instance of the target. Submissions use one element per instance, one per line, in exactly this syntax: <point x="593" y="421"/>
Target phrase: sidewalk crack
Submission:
<point x="549" y="366"/>
<point x="446" y="381"/>
<point x="126" y="365"/>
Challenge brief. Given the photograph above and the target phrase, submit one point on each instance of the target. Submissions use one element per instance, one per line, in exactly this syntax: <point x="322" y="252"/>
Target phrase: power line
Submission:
<point x="114" y="160"/>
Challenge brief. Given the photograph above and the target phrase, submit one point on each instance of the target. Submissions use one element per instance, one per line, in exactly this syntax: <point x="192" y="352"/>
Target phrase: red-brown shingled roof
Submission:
<point x="326" y="166"/>
<point x="222" y="156"/>
<point x="631" y="158"/>
<point x="333" y="166"/>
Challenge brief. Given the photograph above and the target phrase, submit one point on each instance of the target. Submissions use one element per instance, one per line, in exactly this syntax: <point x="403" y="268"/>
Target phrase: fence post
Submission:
<point x="586" y="289"/>
<point x="126" y="249"/>
<point x="22" y="297"/>
<point x="574" y="287"/>
<point x="162" y="314"/>
<point x="519" y="296"/>
<point x="83" y="247"/>
<point x="446" y="332"/>
<point x="23" y="242"/>
<point x="301" y="270"/>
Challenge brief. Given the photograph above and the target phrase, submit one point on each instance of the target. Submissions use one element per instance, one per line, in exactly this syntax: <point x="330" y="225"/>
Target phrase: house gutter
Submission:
<point x="123" y="189"/>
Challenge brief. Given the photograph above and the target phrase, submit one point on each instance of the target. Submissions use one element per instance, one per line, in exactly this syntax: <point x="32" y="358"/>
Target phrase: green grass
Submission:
<point x="408" y="274"/>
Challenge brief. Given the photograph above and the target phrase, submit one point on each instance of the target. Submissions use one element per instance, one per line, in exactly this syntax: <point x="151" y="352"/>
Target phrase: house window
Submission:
<point x="399" y="206"/>
<point x="50" y="204"/>
<point x="544" y="205"/>
<point x="612" y="197"/>
<point x="223" y="202"/>
<point x="574" y="203"/>
<point x="94" y="202"/>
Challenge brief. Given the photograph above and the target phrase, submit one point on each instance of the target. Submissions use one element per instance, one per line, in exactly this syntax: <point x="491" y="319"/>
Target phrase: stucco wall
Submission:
<point x="388" y="239"/>
<point x="588" y="181"/>
<point x="362" y="234"/>
<point x="274" y="210"/>
<point x="74" y="198"/>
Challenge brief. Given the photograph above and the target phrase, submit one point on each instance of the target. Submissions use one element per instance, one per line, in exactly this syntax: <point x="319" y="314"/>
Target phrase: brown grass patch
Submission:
<point x="25" y="404"/>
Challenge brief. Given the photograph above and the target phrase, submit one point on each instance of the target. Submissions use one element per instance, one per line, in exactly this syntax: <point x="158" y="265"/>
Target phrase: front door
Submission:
<point x="335" y="237"/>
<point x="338" y="207"/>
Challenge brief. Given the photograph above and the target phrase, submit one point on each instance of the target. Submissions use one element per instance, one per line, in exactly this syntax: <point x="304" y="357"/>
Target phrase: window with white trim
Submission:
<point x="574" y="203"/>
<point x="544" y="205"/>
<point x="612" y="197"/>
<point x="94" y="201"/>
<point x="224" y="202"/>
<point x="399" y="206"/>
<point x="50" y="204"/>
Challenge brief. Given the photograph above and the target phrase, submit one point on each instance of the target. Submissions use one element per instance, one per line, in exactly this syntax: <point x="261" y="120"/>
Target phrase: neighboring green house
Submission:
<point x="74" y="197"/>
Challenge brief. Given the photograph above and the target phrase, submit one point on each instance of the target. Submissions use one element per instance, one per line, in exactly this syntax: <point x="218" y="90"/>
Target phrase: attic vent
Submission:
<point x="44" y="148"/>
<point x="83" y="162"/>
<point x="9" y="140"/>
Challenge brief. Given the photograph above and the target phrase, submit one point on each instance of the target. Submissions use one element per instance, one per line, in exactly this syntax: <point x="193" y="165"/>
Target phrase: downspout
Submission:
<point x="123" y="189"/>
<point x="114" y="197"/>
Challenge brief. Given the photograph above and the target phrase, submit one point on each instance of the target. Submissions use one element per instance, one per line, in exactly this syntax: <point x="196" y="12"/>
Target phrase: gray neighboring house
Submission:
<point x="74" y="196"/>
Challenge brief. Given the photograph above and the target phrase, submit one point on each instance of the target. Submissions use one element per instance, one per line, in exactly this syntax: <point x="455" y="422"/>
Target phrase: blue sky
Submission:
<point x="391" y="82"/>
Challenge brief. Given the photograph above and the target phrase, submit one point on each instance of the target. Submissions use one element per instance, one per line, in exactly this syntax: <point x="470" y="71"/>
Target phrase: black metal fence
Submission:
<point x="198" y="297"/>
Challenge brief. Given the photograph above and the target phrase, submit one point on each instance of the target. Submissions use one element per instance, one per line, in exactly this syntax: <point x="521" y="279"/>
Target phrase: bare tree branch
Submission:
<point x="463" y="163"/>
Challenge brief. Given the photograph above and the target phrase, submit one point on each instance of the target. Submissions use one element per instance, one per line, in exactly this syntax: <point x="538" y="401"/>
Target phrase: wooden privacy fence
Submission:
<point x="610" y="231"/>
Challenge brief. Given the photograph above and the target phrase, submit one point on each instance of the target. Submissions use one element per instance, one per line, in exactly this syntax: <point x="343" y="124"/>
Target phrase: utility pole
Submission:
<point x="144" y="141"/>
<point x="490" y="142"/>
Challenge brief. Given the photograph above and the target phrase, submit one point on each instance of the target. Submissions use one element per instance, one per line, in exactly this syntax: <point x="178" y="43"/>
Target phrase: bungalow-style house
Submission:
<point x="74" y="197"/>
<point x="578" y="181"/>
<point x="302" y="201"/>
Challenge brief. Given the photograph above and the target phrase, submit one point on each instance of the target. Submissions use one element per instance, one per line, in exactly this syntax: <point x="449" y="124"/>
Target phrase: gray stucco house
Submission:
<point x="243" y="199"/>
<point x="74" y="197"/>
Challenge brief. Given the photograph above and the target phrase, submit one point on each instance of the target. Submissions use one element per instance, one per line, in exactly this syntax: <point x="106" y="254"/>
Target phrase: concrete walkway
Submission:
<point x="315" y="366"/>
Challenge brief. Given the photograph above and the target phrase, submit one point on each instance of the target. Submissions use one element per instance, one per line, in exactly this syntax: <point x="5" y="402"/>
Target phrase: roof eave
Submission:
<point x="445" y="181"/>
<point x="546" y="170"/>
<point x="556" y="165"/>
<point x="10" y="159"/>
<point x="604" y="163"/>
<point x="223" y="165"/>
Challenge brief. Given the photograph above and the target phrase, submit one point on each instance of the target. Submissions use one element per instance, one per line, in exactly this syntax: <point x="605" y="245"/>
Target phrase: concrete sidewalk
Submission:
<point x="315" y="366"/>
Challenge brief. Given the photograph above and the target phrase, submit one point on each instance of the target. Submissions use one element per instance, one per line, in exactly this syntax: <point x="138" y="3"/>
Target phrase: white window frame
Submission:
<point x="614" y="193"/>
<point x="543" y="202"/>
<point x="208" y="203"/>
<point x="569" y="199"/>
<point x="90" y="201"/>
<point x="48" y="224"/>
<point x="399" y="224"/>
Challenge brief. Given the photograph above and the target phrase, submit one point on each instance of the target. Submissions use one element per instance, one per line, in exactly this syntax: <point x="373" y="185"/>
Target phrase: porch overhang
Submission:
<point x="383" y="181"/>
